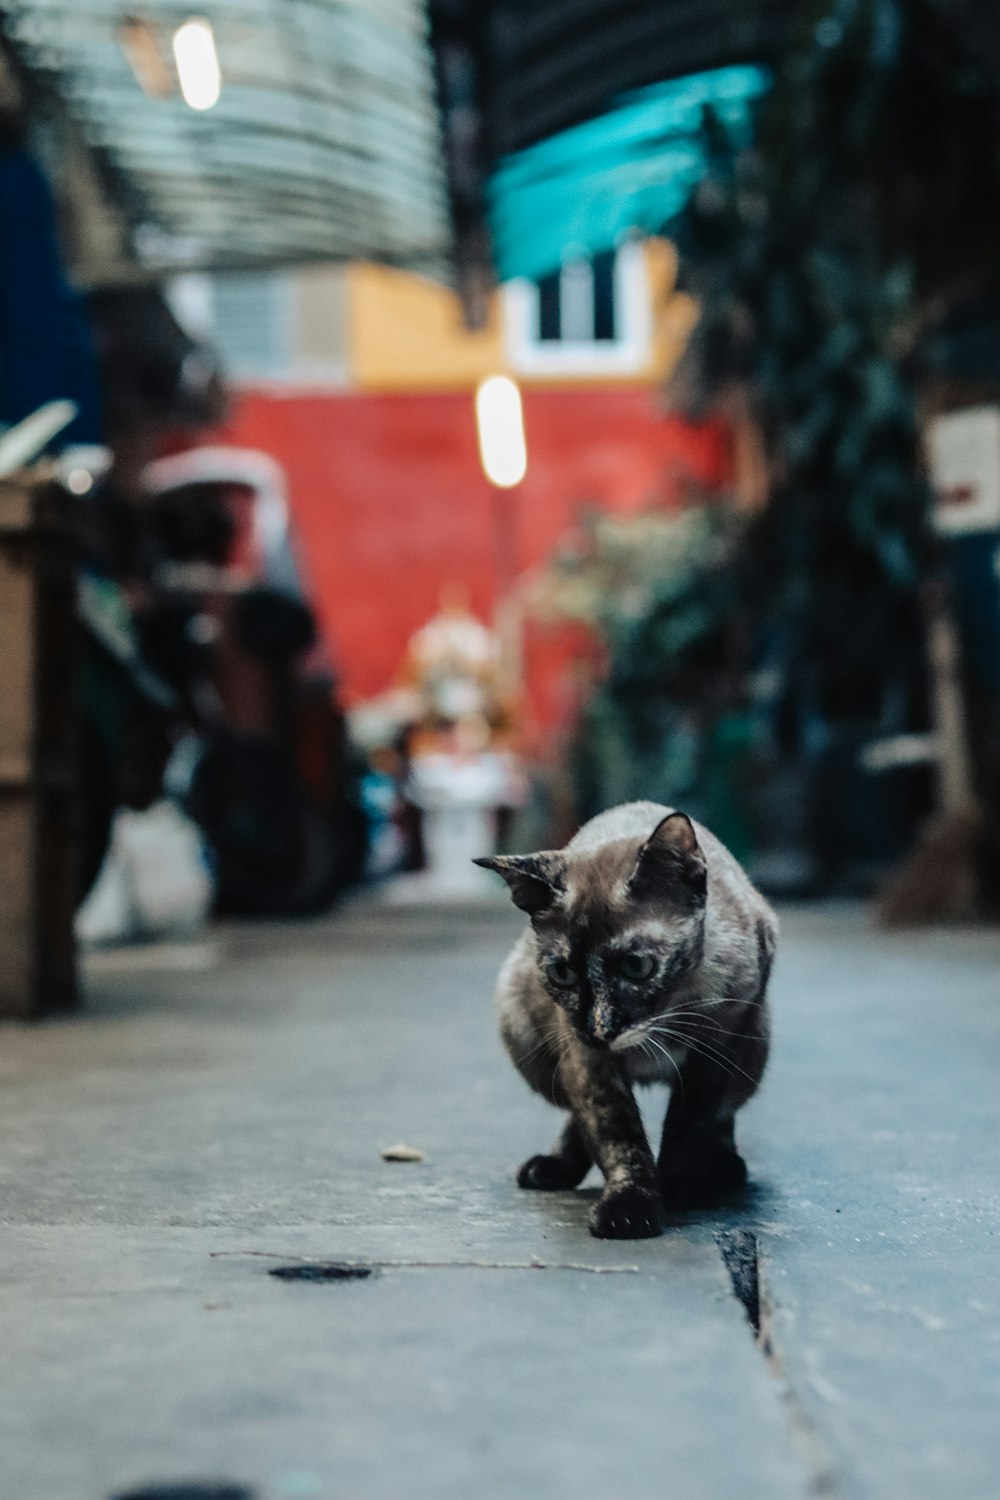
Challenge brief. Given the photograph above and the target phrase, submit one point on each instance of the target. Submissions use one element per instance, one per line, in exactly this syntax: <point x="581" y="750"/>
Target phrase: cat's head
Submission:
<point x="617" y="927"/>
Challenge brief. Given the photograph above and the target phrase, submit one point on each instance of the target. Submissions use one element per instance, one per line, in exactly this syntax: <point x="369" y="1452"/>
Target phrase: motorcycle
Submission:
<point x="205" y="678"/>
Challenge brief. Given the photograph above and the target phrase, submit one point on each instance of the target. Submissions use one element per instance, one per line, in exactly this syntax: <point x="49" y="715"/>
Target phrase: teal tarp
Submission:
<point x="631" y="170"/>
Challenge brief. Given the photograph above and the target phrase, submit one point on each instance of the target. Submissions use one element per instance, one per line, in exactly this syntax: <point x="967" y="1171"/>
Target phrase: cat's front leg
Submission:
<point x="605" y="1110"/>
<point x="565" y="1167"/>
<point x="699" y="1165"/>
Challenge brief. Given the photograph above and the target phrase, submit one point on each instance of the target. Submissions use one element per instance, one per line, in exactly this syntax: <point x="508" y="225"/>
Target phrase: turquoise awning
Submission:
<point x="628" y="171"/>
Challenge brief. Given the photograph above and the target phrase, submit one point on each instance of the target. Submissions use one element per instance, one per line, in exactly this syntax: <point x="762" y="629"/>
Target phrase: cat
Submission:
<point x="647" y="961"/>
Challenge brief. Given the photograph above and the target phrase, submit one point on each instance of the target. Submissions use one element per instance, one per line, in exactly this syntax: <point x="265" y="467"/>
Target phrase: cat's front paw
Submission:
<point x="550" y="1174"/>
<point x="631" y="1212"/>
<point x="707" y="1182"/>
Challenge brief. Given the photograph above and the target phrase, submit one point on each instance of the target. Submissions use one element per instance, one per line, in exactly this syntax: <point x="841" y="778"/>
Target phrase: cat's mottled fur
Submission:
<point x="647" y="961"/>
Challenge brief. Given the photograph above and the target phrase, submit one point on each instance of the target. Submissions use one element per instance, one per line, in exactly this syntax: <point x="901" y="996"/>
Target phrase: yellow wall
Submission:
<point x="674" y="312"/>
<point x="406" y="333"/>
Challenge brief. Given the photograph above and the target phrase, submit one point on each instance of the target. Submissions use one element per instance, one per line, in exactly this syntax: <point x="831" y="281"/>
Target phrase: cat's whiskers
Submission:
<point x="546" y="1040"/>
<point x="695" y="1045"/>
<point x="704" y="1049"/>
<point x="564" y="1043"/>
<point x="692" y="1016"/>
<point x="642" y="1046"/>
<point x="666" y="1053"/>
<point x="553" y="1039"/>
<point x="647" y="1049"/>
<point x="630" y="1038"/>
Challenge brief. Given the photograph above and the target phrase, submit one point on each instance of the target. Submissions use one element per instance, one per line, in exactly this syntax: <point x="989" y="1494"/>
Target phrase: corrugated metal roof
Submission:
<point x="552" y="66"/>
<point x="323" y="145"/>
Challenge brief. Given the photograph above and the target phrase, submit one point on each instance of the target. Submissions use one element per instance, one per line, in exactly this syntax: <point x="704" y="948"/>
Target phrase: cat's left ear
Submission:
<point x="671" y="862"/>
<point x="535" y="880"/>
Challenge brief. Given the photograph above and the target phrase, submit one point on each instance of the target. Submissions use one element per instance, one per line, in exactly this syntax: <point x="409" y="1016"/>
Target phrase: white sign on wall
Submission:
<point x="964" y="455"/>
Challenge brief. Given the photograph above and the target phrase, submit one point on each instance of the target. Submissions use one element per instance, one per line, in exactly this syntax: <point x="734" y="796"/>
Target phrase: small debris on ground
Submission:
<point x="401" y="1152"/>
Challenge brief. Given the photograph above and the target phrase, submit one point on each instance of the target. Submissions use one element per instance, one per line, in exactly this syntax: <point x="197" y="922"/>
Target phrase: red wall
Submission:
<point x="391" y="503"/>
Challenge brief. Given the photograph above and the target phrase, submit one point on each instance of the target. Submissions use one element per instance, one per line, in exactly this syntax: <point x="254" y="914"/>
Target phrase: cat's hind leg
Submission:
<point x="566" y="1167"/>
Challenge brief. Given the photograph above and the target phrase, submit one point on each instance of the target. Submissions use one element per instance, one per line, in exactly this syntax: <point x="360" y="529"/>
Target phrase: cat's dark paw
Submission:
<point x="627" y="1213"/>
<point x="708" y="1182"/>
<point x="550" y="1174"/>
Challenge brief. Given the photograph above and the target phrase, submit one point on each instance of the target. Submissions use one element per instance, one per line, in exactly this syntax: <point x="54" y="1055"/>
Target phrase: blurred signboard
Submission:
<point x="964" y="455"/>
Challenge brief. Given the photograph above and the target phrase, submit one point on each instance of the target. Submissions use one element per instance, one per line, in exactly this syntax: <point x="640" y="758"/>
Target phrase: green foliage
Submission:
<point x="660" y="592"/>
<point x="870" y="202"/>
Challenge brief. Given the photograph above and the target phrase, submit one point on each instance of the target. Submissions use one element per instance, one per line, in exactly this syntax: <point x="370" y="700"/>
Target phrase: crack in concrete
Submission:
<point x="740" y="1251"/>
<point x="190" y="1490"/>
<point x="740" y="1256"/>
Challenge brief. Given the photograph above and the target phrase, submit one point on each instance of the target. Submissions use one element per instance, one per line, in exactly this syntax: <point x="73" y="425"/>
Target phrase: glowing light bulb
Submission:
<point x="503" y="451"/>
<point x="79" y="481"/>
<point x="197" y="64"/>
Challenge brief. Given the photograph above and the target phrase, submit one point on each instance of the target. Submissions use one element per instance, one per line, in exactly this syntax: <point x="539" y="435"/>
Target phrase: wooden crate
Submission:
<point x="39" y="764"/>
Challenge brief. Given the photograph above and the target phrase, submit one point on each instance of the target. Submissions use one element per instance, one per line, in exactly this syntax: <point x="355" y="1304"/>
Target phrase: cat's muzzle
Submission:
<point x="595" y="1043"/>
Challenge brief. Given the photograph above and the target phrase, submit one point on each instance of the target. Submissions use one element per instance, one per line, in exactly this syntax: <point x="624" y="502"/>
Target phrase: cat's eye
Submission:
<point x="637" y="966"/>
<point x="561" y="974"/>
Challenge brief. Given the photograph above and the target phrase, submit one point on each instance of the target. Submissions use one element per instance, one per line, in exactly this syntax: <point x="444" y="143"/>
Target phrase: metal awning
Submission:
<point x="324" y="144"/>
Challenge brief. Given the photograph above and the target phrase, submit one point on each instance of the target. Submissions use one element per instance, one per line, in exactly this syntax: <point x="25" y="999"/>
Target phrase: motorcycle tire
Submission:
<point x="271" y="844"/>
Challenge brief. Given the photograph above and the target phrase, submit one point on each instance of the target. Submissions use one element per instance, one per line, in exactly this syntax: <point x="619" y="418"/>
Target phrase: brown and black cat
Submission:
<point x="646" y="961"/>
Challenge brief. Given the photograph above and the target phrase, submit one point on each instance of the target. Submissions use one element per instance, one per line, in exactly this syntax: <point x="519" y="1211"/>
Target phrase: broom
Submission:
<point x="939" y="880"/>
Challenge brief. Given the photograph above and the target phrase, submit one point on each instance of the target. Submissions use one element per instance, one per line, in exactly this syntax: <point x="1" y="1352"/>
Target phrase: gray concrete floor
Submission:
<point x="219" y="1108"/>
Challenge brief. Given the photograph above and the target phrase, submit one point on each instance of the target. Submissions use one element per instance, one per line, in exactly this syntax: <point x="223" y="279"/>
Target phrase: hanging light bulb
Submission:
<point x="197" y="64"/>
<point x="500" y="427"/>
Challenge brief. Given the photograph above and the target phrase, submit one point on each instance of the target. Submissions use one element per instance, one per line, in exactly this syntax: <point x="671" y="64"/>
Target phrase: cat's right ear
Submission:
<point x="535" y="880"/>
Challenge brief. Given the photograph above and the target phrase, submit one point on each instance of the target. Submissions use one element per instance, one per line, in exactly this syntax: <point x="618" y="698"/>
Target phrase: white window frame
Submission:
<point x="626" y="354"/>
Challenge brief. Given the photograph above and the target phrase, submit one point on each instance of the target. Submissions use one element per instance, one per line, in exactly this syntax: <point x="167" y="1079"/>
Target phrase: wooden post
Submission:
<point x="39" y="774"/>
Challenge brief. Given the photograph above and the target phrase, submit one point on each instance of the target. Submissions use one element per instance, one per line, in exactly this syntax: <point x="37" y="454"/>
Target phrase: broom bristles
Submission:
<point x="939" y="880"/>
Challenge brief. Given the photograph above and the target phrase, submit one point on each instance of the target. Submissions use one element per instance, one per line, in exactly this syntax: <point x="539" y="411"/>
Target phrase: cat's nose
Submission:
<point x="602" y="1030"/>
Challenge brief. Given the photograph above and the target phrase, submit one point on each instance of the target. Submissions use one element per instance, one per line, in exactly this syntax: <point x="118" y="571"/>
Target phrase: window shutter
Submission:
<point x="253" y="325"/>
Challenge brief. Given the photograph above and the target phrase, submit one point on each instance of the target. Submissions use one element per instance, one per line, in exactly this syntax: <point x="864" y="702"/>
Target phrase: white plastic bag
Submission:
<point x="154" y="881"/>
